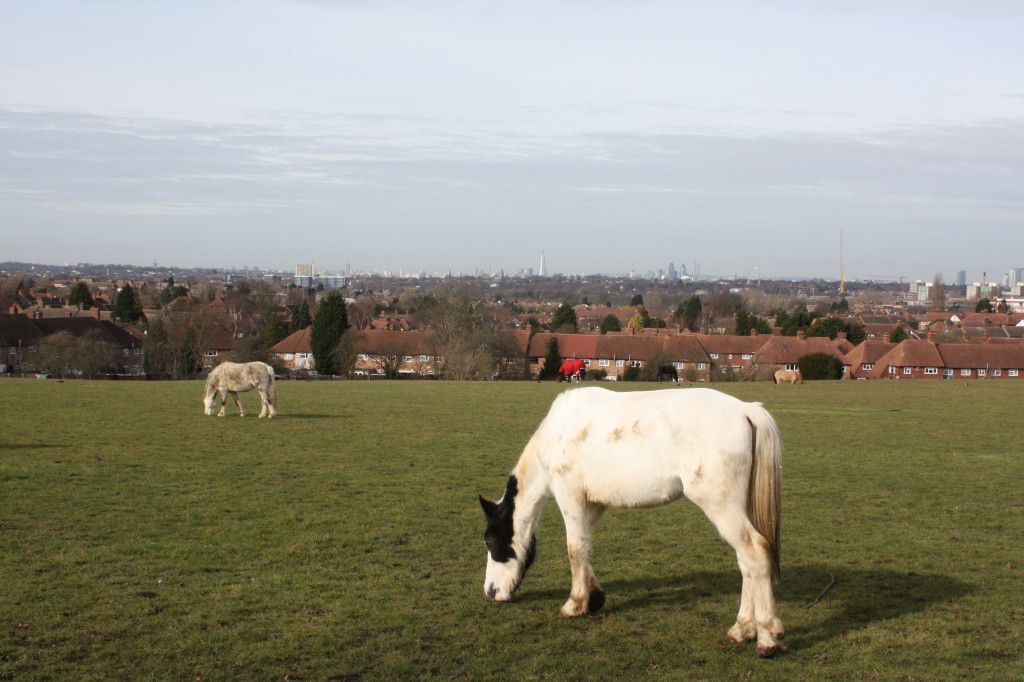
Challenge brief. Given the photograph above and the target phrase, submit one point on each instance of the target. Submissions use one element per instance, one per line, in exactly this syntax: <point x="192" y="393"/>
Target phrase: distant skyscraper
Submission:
<point x="961" y="278"/>
<point x="543" y="266"/>
<point x="672" y="271"/>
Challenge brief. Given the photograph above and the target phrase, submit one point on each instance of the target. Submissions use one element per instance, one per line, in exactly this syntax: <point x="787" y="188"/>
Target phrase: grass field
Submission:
<point x="342" y="540"/>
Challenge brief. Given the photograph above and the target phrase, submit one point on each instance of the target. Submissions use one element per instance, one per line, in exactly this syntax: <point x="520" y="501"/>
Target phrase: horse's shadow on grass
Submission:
<point x="858" y="597"/>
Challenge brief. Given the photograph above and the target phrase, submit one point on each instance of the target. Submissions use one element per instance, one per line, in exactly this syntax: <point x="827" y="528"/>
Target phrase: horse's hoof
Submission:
<point x="766" y="650"/>
<point x="596" y="600"/>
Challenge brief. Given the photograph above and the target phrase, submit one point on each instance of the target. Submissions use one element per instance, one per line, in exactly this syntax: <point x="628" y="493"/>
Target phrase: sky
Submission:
<point x="864" y="139"/>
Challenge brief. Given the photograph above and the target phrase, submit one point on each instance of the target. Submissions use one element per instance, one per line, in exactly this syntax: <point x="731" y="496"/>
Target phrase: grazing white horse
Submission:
<point x="233" y="378"/>
<point x="789" y="376"/>
<point x="598" y="448"/>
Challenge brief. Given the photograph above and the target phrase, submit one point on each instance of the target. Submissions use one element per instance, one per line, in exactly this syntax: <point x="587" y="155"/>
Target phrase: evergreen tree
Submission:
<point x="898" y="334"/>
<point x="329" y="324"/>
<point x="688" y="313"/>
<point x="80" y="295"/>
<point x="747" y="321"/>
<point x="301" y="318"/>
<point x="564" y="317"/>
<point x="127" y="306"/>
<point x="552" y="360"/>
<point x="610" y="323"/>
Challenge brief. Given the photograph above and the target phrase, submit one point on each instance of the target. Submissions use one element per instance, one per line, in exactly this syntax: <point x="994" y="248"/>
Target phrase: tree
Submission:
<point x="938" y="294"/>
<point x="636" y="323"/>
<point x="81" y="296"/>
<point x="301" y="318"/>
<point x="272" y="329"/>
<point x="747" y="322"/>
<point x="819" y="366"/>
<point x="329" y="323"/>
<point x="983" y="305"/>
<point x="791" y="323"/>
<point x="723" y="304"/>
<point x="898" y="334"/>
<point x="1003" y="307"/>
<point x="552" y="360"/>
<point x="610" y="323"/>
<point x="451" y="317"/>
<point x="564" y="319"/>
<point x="637" y="299"/>
<point x="833" y="326"/>
<point x="688" y="313"/>
<point x="127" y="306"/>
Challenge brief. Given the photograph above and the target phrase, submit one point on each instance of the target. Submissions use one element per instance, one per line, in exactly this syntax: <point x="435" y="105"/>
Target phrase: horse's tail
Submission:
<point x="272" y="387"/>
<point x="764" y="498"/>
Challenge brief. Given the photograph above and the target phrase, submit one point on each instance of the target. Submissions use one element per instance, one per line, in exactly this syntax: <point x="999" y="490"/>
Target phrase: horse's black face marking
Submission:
<point x="498" y="536"/>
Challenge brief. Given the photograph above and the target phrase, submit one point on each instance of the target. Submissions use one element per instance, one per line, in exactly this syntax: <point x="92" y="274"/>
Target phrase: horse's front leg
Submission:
<point x="223" y="402"/>
<point x="586" y="595"/>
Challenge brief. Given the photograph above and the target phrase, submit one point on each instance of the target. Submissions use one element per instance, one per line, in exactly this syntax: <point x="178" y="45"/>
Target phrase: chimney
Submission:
<point x="841" y="336"/>
<point x="931" y="336"/>
<point x="753" y="332"/>
<point x="800" y="335"/>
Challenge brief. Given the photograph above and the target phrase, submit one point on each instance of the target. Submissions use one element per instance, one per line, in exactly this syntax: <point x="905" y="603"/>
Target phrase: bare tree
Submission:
<point x="938" y="294"/>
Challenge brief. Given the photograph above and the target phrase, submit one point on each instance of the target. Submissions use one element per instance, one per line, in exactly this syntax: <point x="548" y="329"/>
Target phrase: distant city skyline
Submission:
<point x="450" y="137"/>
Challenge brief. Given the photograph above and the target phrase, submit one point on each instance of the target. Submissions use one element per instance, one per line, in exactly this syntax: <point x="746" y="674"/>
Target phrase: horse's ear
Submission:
<point x="489" y="507"/>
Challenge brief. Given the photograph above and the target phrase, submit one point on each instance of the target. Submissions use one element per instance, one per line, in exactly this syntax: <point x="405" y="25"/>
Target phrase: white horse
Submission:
<point x="597" y="449"/>
<point x="233" y="378"/>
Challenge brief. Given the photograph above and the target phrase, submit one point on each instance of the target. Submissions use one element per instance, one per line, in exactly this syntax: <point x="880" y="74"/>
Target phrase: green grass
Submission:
<point x="342" y="540"/>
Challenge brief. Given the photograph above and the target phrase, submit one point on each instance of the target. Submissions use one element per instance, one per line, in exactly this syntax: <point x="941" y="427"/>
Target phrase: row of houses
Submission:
<point x="24" y="338"/>
<point x="696" y="357"/>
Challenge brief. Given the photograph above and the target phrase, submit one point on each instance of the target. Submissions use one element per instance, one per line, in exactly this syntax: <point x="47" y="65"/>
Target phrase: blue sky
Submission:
<point x="730" y="137"/>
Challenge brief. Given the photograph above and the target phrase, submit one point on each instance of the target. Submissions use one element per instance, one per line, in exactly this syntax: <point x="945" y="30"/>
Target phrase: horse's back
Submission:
<point x="643" y="448"/>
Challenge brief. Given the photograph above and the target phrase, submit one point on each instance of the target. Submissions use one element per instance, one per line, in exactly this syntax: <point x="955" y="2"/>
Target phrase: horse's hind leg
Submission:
<point x="238" y="403"/>
<point x="264" y="403"/>
<point x="757" y="618"/>
<point x="586" y="595"/>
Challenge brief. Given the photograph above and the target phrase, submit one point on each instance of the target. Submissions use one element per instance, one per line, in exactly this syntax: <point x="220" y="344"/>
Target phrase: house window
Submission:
<point x="32" y="348"/>
<point x="12" y="351"/>
<point x="908" y="370"/>
<point x="586" y="362"/>
<point x="603" y="363"/>
<point x="302" y="356"/>
<point x="426" y="358"/>
<point x="981" y="373"/>
<point x="364" y="357"/>
<point x="747" y="356"/>
<point x="965" y="372"/>
<point x="406" y="358"/>
<point x="634" y="363"/>
<point x="126" y="352"/>
<point x="702" y="365"/>
<point x="947" y="373"/>
<point x="997" y="372"/>
<point x="931" y="370"/>
<point x="210" y="353"/>
<point x="792" y="366"/>
<point x="508" y="361"/>
<point x="678" y="365"/>
<point x="714" y="356"/>
<point x="620" y="363"/>
<point x="1012" y="372"/>
<point x="288" y="356"/>
<point x="867" y="366"/>
<point x="137" y="351"/>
